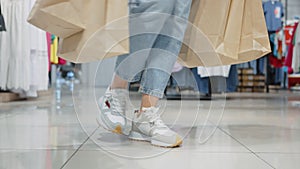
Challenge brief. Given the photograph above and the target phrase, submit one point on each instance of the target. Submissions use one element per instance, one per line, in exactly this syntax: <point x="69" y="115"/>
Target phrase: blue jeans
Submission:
<point x="157" y="29"/>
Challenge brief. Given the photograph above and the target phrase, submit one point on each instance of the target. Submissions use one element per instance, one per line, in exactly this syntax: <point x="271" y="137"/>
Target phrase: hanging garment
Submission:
<point x="54" y="47"/>
<point x="289" y="57"/>
<point x="296" y="52"/>
<point x="38" y="56"/>
<point x="49" y="50"/>
<point x="288" y="33"/>
<point x="276" y="57"/>
<point x="23" y="50"/>
<point x="214" y="71"/>
<point x="232" y="80"/>
<point x="274" y="11"/>
<point x="2" y="23"/>
<point x="4" y="40"/>
<point x="218" y="83"/>
<point x="275" y="62"/>
<point x="15" y="50"/>
<point x="280" y="47"/>
<point x="54" y="59"/>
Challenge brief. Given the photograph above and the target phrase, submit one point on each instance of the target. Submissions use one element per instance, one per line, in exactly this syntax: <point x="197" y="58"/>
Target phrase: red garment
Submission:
<point x="275" y="62"/>
<point x="288" y="32"/>
<point x="289" y="57"/>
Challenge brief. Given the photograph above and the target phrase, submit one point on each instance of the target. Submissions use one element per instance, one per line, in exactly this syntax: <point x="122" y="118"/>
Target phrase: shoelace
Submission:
<point x="117" y="105"/>
<point x="156" y="120"/>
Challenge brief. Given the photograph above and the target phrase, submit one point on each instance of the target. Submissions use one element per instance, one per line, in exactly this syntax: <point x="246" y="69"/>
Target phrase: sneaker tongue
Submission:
<point x="152" y="115"/>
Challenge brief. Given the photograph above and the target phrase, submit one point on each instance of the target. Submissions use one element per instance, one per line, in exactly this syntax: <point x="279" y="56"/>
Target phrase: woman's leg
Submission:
<point x="152" y="58"/>
<point x="164" y="54"/>
<point x="113" y="105"/>
<point x="118" y="83"/>
<point x="147" y="124"/>
<point x="148" y="101"/>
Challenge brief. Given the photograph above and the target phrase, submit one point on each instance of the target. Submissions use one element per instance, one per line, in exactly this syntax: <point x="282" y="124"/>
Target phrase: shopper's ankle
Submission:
<point x="117" y="88"/>
<point x="146" y="109"/>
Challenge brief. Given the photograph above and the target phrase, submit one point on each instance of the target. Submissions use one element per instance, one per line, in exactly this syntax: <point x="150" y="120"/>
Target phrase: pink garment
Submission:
<point x="61" y="61"/>
<point x="49" y="49"/>
<point x="289" y="57"/>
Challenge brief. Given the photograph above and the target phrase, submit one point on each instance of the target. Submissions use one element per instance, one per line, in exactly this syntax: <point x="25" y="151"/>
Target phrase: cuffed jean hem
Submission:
<point x="152" y="92"/>
<point x="129" y="78"/>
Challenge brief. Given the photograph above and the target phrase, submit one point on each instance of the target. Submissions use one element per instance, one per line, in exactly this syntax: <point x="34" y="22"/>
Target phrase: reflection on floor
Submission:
<point x="242" y="131"/>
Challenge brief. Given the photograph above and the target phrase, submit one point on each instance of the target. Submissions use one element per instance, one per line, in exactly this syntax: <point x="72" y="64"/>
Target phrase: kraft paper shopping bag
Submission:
<point x="225" y="32"/>
<point x="220" y="33"/>
<point x="89" y="30"/>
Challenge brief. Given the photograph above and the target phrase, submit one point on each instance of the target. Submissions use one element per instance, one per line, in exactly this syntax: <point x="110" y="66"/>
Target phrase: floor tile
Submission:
<point x="113" y="143"/>
<point x="39" y="126"/>
<point x="44" y="133"/>
<point x="269" y="124"/>
<point x="282" y="161"/>
<point x="34" y="159"/>
<point x="271" y="139"/>
<point x="172" y="159"/>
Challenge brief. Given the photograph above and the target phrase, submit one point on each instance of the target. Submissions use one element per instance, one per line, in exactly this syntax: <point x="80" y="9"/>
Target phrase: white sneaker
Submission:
<point x="115" y="112"/>
<point x="148" y="126"/>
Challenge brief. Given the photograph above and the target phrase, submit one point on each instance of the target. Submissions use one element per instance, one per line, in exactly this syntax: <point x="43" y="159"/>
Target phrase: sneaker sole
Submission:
<point x="135" y="136"/>
<point x="117" y="130"/>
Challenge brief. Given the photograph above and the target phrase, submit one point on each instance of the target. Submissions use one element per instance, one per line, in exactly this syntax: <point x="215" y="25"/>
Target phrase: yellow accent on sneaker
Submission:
<point x="118" y="130"/>
<point x="178" y="142"/>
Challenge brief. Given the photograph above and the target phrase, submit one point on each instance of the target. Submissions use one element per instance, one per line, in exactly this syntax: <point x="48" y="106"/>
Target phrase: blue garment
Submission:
<point x="261" y="68"/>
<point x="258" y="65"/>
<point x="232" y="81"/>
<point x="274" y="11"/>
<point x="157" y="29"/>
<point x="202" y="83"/>
<point x="218" y="83"/>
<point x="278" y="75"/>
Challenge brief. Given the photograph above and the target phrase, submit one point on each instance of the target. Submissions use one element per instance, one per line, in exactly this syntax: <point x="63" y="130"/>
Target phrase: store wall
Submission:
<point x="293" y="8"/>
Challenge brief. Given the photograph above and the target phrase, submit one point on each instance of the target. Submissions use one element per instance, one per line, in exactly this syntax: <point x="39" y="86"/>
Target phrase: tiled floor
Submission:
<point x="242" y="131"/>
